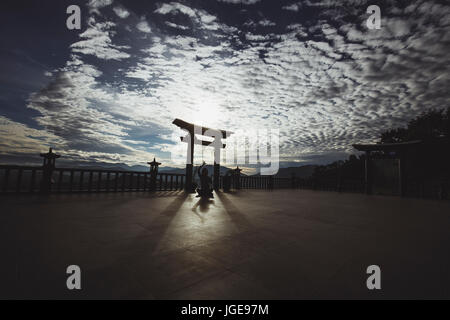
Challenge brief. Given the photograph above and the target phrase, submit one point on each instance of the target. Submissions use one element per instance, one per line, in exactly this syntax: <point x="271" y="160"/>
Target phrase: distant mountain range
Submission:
<point x="139" y="168"/>
<point x="223" y="170"/>
<point x="300" y="172"/>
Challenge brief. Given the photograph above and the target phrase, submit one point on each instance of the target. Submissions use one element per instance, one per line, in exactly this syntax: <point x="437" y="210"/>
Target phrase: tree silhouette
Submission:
<point x="429" y="125"/>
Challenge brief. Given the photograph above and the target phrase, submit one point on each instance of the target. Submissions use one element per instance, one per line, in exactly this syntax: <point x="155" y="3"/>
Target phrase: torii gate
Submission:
<point x="192" y="140"/>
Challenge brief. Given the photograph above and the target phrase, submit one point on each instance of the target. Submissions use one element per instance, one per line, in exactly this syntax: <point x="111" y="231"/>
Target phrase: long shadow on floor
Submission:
<point x="121" y="278"/>
<point x="203" y="205"/>
<point x="238" y="218"/>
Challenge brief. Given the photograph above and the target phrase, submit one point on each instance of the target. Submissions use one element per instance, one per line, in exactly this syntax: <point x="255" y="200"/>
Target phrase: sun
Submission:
<point x="207" y="112"/>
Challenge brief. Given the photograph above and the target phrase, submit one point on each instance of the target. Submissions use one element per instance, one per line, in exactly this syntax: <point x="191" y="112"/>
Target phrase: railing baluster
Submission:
<point x="182" y="183"/>
<point x="108" y="176"/>
<point x="165" y="182"/>
<point x="116" y="182"/>
<point x="80" y="187"/>
<point x="33" y="179"/>
<point x="71" y="180"/>
<point x="5" y="181"/>
<point x="171" y="182"/>
<point x="124" y="181"/>
<point x="91" y="174"/>
<point x="160" y="183"/>
<point x="99" y="182"/>
<point x="60" y="179"/>
<point x="19" y="180"/>
<point x="138" y="183"/>
<point x="131" y="182"/>
<point x="145" y="182"/>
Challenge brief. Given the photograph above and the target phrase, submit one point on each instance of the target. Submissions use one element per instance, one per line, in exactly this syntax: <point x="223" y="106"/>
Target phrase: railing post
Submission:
<point x="116" y="182"/>
<point x="90" y="181"/>
<point x="5" y="181"/>
<point x="124" y="177"/>
<point x="19" y="180"/>
<point x="270" y="186"/>
<point x="99" y="182"/>
<point x="71" y="180"/>
<point x="33" y="179"/>
<point x="80" y="187"/>
<point x="145" y="182"/>
<point x="108" y="177"/>
<point x="60" y="179"/>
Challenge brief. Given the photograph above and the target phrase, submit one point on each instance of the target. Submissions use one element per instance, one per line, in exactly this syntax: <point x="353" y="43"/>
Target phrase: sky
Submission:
<point x="108" y="93"/>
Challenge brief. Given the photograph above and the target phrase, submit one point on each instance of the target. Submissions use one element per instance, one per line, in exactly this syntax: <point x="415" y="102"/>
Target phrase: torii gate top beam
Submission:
<point x="191" y="128"/>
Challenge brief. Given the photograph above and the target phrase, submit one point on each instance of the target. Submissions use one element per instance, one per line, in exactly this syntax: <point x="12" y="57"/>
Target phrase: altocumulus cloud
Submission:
<point x="311" y="69"/>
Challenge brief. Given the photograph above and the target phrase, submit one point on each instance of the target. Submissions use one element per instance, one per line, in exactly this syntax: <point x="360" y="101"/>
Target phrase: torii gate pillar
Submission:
<point x="190" y="163"/>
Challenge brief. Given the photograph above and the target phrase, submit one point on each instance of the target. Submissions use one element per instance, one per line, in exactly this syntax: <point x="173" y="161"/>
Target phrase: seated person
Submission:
<point x="205" y="190"/>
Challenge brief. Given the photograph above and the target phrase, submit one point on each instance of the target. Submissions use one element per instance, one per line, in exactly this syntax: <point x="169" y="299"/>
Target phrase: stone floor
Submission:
<point x="246" y="245"/>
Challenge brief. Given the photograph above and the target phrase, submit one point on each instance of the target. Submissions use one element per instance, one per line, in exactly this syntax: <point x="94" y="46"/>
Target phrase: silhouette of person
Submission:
<point x="227" y="181"/>
<point x="205" y="190"/>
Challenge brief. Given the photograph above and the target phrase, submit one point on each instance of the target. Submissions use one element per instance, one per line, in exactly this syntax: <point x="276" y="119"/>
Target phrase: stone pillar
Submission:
<point x="190" y="163"/>
<point x="48" y="167"/>
<point x="153" y="173"/>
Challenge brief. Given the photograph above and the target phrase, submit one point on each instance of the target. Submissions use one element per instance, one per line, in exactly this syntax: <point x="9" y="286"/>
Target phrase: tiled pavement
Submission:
<point x="246" y="245"/>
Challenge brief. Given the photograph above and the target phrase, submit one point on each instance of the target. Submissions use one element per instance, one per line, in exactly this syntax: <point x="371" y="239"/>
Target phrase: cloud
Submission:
<point x="81" y="114"/>
<point x="143" y="26"/>
<point x="246" y="2"/>
<point x="174" y="7"/>
<point x="20" y="139"/>
<point x="121" y="12"/>
<point x="292" y="7"/>
<point x="96" y="4"/>
<point x="97" y="41"/>
<point x="201" y="18"/>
